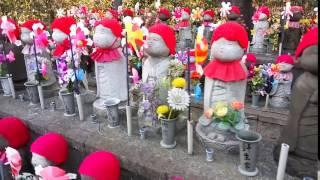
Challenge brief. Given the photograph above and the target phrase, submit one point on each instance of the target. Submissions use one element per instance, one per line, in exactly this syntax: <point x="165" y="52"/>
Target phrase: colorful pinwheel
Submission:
<point x="134" y="33"/>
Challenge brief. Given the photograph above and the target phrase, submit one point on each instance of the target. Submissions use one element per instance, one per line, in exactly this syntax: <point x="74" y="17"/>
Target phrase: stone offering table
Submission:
<point x="145" y="159"/>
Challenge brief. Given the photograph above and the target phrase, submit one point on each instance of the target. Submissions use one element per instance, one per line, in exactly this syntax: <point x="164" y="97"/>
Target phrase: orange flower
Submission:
<point x="208" y="113"/>
<point x="237" y="105"/>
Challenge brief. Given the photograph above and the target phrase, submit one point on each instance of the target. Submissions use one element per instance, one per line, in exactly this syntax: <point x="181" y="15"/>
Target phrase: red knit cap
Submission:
<point x="252" y="58"/>
<point x="308" y="39"/>
<point x="112" y="24"/>
<point x="15" y="132"/>
<point x="101" y="165"/>
<point x="296" y="9"/>
<point x="209" y="12"/>
<point x="63" y="24"/>
<point x="52" y="146"/>
<point x="28" y="24"/>
<point x="127" y="12"/>
<point x="231" y="31"/>
<point x="187" y="10"/>
<point x="114" y="13"/>
<point x="167" y="34"/>
<point x="235" y="9"/>
<point x="265" y="10"/>
<point x="285" y="59"/>
<point x="165" y="11"/>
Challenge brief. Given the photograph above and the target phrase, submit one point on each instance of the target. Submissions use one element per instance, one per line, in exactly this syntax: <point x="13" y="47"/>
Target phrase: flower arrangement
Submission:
<point x="176" y="69"/>
<point x="178" y="100"/>
<point x="4" y="59"/>
<point x="274" y="31"/>
<point x="260" y="80"/>
<point x="227" y="115"/>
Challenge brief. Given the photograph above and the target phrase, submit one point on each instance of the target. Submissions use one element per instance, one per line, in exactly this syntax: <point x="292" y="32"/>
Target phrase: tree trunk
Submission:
<point x="116" y="4"/>
<point x="246" y="9"/>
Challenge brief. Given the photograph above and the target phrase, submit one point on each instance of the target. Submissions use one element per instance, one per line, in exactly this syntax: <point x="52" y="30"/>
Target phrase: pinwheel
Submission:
<point x="40" y="36"/>
<point x="9" y="29"/>
<point x="14" y="160"/>
<point x="201" y="46"/>
<point x="225" y="9"/>
<point x="134" y="33"/>
<point x="177" y="13"/>
<point x="287" y="11"/>
<point x="197" y="14"/>
<point x="79" y="38"/>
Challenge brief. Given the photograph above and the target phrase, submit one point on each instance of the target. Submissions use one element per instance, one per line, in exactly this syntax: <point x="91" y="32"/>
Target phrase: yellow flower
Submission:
<point x="221" y="112"/>
<point x="179" y="83"/>
<point x="219" y="105"/>
<point x="163" y="109"/>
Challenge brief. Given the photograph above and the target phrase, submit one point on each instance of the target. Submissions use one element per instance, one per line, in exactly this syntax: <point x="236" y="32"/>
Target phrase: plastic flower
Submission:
<point x="161" y="110"/>
<point x="179" y="83"/>
<point x="178" y="99"/>
<point x="208" y="113"/>
<point x="221" y="111"/>
<point x="237" y="105"/>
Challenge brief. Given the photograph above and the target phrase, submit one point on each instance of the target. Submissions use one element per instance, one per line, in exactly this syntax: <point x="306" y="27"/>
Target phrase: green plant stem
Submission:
<point x="170" y="114"/>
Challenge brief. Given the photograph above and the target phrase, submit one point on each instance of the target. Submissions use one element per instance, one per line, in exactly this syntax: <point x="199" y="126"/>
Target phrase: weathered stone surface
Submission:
<point x="140" y="159"/>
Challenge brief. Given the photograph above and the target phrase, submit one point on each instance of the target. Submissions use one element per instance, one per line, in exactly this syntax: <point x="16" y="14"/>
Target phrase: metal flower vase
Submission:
<point x="249" y="147"/>
<point x="5" y="86"/>
<point x="32" y="90"/>
<point x="168" y="129"/>
<point x="67" y="99"/>
<point x="112" y="108"/>
<point x="255" y="100"/>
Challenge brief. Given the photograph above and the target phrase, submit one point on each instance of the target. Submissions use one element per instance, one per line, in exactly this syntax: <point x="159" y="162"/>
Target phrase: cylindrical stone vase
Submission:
<point x="168" y="129"/>
<point x="255" y="100"/>
<point x="67" y="99"/>
<point x="112" y="108"/>
<point x="32" y="90"/>
<point x="5" y="86"/>
<point x="249" y="147"/>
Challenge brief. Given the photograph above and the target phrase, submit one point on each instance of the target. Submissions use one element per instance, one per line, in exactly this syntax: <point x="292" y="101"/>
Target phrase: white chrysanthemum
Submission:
<point x="178" y="99"/>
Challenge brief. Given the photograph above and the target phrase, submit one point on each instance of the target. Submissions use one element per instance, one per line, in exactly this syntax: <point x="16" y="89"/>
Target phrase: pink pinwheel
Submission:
<point x="15" y="161"/>
<point x="10" y="57"/>
<point x="78" y="37"/>
<point x="40" y="36"/>
<point x="177" y="12"/>
<point x="135" y="76"/>
<point x="53" y="173"/>
<point x="8" y="29"/>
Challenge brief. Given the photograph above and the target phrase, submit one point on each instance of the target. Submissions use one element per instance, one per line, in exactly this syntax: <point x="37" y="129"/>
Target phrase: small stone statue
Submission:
<point x="42" y="55"/>
<point x="110" y="63"/>
<point x="294" y="32"/>
<point x="185" y="38"/>
<point x="301" y="132"/>
<point x="281" y="90"/>
<point x="226" y="78"/>
<point x="112" y="14"/>
<point x="50" y="149"/>
<point x="208" y="16"/>
<point x="164" y="15"/>
<point x="15" y="134"/>
<point x="100" y="165"/>
<point x="159" y="45"/>
<point x="234" y="14"/>
<point x="261" y="25"/>
<point x="62" y="53"/>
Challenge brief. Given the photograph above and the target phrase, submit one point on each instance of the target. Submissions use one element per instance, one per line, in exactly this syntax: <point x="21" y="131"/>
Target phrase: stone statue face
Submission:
<point x="156" y="47"/>
<point x="104" y="38"/>
<point x="226" y="50"/>
<point x="25" y="36"/>
<point x="263" y="17"/>
<point x="284" y="67"/>
<point x="37" y="160"/>
<point x="297" y="15"/>
<point x="233" y="16"/>
<point x="309" y="59"/>
<point x="3" y="143"/>
<point x="206" y="17"/>
<point x="58" y="36"/>
<point x="163" y="17"/>
<point x="185" y="15"/>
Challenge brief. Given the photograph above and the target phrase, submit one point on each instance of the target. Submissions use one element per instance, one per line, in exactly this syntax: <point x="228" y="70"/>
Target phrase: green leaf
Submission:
<point x="224" y="125"/>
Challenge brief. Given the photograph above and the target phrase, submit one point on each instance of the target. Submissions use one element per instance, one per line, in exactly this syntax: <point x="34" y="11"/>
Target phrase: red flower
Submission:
<point x="195" y="75"/>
